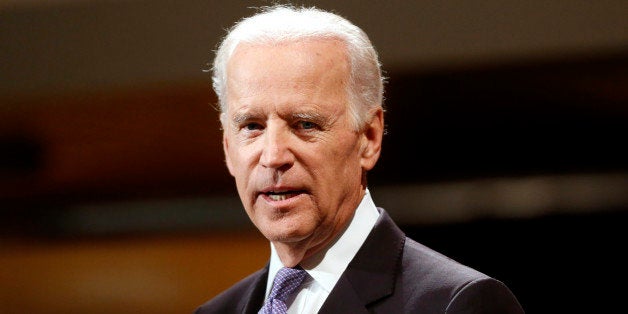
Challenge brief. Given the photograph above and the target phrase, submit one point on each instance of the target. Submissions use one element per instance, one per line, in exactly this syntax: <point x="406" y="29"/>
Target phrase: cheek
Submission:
<point x="339" y="165"/>
<point x="240" y="167"/>
<point x="239" y="158"/>
<point x="345" y="153"/>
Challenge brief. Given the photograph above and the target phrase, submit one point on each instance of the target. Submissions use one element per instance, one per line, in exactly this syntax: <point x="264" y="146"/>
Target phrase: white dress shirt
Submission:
<point x="326" y="267"/>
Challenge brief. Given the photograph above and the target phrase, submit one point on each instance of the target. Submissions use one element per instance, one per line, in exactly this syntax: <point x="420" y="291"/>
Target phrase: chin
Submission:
<point x="286" y="236"/>
<point x="293" y="227"/>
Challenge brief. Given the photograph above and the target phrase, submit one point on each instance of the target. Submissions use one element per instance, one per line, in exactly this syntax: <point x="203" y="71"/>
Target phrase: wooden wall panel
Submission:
<point x="156" y="275"/>
<point x="158" y="140"/>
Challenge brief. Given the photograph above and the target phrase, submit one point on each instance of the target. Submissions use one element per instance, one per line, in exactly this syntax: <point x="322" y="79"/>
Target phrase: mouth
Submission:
<point x="281" y="195"/>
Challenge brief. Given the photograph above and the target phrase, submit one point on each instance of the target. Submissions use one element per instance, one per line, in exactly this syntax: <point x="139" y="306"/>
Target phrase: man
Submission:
<point x="300" y="94"/>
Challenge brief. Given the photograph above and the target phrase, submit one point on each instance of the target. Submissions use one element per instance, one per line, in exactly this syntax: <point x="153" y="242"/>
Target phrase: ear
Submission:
<point x="372" y="140"/>
<point x="225" y="142"/>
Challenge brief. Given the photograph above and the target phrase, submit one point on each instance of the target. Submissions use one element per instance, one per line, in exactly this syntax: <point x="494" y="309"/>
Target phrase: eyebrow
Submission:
<point x="311" y="116"/>
<point x="241" y="117"/>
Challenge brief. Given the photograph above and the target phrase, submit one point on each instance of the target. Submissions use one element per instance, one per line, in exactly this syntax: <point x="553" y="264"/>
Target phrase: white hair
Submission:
<point x="285" y="23"/>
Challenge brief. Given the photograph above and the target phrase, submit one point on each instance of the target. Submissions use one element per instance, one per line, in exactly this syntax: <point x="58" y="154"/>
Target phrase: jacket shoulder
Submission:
<point x="451" y="286"/>
<point x="236" y="298"/>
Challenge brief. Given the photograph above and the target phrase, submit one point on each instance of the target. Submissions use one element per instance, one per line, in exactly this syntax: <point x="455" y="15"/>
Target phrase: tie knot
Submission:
<point x="286" y="281"/>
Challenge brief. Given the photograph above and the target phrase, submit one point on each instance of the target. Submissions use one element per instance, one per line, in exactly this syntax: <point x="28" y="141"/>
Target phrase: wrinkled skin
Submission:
<point x="298" y="163"/>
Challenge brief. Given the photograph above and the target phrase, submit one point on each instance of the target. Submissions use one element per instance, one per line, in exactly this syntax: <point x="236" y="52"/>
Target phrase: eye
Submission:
<point x="252" y="126"/>
<point x="307" y="125"/>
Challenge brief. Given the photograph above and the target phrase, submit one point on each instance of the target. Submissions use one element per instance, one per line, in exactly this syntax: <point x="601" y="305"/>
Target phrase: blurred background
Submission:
<point x="506" y="149"/>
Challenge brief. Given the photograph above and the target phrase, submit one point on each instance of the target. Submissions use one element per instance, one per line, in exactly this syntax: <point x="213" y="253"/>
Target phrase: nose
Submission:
<point x="276" y="152"/>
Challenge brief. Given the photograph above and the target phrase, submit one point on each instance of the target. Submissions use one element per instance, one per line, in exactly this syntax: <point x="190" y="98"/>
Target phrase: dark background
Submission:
<point x="505" y="149"/>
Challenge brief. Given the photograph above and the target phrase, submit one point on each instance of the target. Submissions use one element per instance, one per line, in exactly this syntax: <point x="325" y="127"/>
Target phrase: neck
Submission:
<point x="289" y="254"/>
<point x="293" y="253"/>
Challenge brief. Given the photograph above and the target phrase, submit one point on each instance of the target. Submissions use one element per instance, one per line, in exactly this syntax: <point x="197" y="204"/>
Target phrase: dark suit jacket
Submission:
<point x="390" y="274"/>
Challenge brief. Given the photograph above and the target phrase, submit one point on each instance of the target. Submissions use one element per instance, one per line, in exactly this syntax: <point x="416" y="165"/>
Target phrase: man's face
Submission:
<point x="288" y="140"/>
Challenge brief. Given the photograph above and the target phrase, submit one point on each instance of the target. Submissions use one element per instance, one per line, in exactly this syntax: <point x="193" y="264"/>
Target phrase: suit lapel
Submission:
<point x="371" y="274"/>
<point x="253" y="299"/>
<point x="343" y="299"/>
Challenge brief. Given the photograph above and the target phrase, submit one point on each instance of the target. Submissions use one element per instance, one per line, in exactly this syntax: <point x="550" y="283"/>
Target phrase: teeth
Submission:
<point x="281" y="197"/>
<point x="278" y="197"/>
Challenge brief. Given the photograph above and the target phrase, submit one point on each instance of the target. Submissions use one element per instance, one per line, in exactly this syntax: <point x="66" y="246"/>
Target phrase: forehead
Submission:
<point x="312" y="69"/>
<point x="310" y="59"/>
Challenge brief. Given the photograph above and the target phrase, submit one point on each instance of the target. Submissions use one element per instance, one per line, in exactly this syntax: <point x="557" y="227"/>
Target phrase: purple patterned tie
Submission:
<point x="285" y="283"/>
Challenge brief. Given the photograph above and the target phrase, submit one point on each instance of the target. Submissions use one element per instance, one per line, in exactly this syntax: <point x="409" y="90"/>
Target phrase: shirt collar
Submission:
<point x="327" y="266"/>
